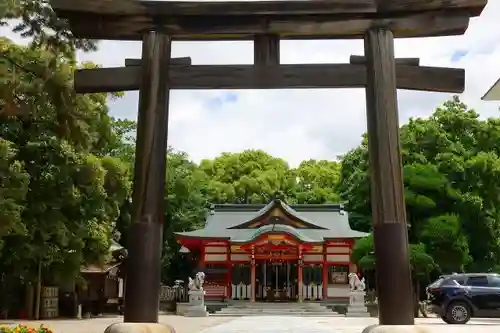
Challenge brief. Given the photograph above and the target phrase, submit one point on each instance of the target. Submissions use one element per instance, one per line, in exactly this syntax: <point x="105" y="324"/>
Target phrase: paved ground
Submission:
<point x="339" y="324"/>
<point x="265" y="324"/>
<point x="98" y="325"/>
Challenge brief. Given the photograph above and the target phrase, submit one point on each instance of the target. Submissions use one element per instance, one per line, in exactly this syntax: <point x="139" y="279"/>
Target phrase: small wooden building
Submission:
<point x="104" y="284"/>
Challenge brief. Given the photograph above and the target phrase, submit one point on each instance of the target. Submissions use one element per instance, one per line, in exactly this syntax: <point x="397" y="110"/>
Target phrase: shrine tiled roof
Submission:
<point x="282" y="205"/>
<point x="279" y="228"/>
<point x="320" y="222"/>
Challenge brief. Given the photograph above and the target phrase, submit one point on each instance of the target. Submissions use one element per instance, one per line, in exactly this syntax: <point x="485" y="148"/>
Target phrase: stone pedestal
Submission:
<point x="405" y="329"/>
<point x="357" y="307"/>
<point x="196" y="307"/>
<point x="139" y="328"/>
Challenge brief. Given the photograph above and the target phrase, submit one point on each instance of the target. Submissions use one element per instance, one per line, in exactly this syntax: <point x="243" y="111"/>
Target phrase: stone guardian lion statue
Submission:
<point x="355" y="284"/>
<point x="197" y="283"/>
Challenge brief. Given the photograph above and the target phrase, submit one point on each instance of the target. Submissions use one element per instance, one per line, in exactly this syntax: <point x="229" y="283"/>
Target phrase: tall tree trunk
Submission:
<point x="38" y="291"/>
<point x="416" y="293"/>
<point x="30" y="296"/>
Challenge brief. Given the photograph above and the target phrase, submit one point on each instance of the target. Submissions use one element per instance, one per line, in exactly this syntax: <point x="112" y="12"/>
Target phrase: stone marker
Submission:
<point x="357" y="307"/>
<point x="139" y="328"/>
<point x="196" y="306"/>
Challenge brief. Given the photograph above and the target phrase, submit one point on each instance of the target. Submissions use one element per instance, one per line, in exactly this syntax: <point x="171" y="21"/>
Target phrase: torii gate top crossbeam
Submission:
<point x="297" y="19"/>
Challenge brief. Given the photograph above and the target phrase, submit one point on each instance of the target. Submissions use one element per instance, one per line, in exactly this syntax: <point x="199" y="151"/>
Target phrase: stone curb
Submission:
<point x="139" y="328"/>
<point x="397" y="329"/>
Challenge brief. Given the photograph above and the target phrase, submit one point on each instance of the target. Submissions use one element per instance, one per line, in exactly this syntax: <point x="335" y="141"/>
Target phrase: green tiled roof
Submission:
<point x="280" y="228"/>
<point x="289" y="210"/>
<point x="328" y="221"/>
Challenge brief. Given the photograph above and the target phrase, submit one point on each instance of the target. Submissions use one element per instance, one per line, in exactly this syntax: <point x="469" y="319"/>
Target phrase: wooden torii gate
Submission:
<point x="158" y="23"/>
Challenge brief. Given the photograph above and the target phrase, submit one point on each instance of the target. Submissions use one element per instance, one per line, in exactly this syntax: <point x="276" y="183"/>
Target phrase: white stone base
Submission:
<point x="196" y="306"/>
<point x="139" y="328"/>
<point x="357" y="306"/>
<point x="196" y="311"/>
<point x="400" y="329"/>
<point x="357" y="314"/>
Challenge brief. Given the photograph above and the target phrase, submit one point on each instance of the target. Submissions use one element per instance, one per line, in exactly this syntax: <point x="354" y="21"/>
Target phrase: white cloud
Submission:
<point x="302" y="124"/>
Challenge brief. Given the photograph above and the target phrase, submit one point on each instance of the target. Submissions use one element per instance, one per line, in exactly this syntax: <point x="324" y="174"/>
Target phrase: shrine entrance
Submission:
<point x="276" y="268"/>
<point x="277" y="280"/>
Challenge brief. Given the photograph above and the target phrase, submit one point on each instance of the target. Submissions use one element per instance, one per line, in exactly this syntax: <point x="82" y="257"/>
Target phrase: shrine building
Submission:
<point x="274" y="252"/>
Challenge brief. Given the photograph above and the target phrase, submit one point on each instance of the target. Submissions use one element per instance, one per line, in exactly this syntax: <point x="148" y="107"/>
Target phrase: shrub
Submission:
<point x="24" y="329"/>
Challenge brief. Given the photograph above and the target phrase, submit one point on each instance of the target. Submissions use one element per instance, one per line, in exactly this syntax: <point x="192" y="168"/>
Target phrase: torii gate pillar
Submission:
<point x="394" y="287"/>
<point x="144" y="260"/>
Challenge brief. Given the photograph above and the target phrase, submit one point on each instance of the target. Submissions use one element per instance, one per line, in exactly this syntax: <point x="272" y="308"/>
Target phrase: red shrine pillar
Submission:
<point x="299" y="275"/>
<point x="201" y="260"/>
<point x="229" y="285"/>
<point x="252" y="277"/>
<point x="324" y="273"/>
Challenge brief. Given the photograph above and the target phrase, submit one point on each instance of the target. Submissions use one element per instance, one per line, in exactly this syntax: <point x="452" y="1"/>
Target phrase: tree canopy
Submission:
<point x="63" y="192"/>
<point x="450" y="165"/>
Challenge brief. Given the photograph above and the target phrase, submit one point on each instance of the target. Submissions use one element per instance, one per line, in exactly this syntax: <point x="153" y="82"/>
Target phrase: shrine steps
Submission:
<point x="276" y="309"/>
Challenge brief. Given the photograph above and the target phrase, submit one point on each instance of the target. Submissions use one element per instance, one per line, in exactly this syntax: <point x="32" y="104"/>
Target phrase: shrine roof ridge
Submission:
<point x="338" y="207"/>
<point x="276" y="228"/>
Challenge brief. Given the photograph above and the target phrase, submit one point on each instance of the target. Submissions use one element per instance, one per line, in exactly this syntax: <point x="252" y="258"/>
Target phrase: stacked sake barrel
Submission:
<point x="49" y="302"/>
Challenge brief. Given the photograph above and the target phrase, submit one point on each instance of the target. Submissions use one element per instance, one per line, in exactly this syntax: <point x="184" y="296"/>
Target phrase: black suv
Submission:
<point x="458" y="297"/>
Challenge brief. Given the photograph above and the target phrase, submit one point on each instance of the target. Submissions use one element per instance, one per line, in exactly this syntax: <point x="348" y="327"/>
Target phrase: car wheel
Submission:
<point x="445" y="319"/>
<point x="458" y="313"/>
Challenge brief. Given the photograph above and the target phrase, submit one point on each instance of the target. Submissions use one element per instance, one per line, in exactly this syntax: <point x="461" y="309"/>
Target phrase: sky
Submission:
<point x="297" y="125"/>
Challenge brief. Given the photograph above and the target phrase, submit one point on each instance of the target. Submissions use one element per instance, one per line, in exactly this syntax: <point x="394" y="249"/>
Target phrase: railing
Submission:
<point x="180" y="292"/>
<point x="177" y="293"/>
<point x="241" y="291"/>
<point x="312" y="292"/>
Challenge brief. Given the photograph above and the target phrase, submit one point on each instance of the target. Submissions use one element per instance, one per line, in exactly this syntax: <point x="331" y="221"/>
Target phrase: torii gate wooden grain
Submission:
<point x="157" y="23"/>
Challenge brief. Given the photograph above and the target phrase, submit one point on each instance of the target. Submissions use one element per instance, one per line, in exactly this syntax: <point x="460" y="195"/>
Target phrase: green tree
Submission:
<point x="446" y="242"/>
<point x="354" y="187"/>
<point x="120" y="140"/>
<point x="36" y="20"/>
<point x="186" y="208"/>
<point x="14" y="182"/>
<point x="254" y="176"/>
<point x="66" y="145"/>
<point x="120" y="144"/>
<point x="316" y="182"/>
<point x="363" y="255"/>
<point x="450" y="169"/>
<point x="421" y="263"/>
<point x="251" y="176"/>
<point x="59" y="140"/>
